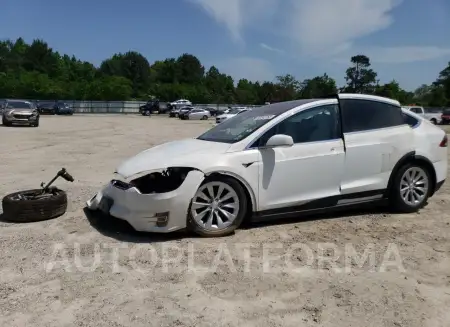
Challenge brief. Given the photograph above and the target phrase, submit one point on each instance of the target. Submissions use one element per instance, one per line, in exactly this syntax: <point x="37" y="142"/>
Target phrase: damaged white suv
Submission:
<point x="278" y="161"/>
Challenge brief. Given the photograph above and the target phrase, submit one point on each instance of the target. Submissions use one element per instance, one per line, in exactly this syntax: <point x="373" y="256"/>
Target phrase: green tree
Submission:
<point x="317" y="87"/>
<point x="360" y="77"/>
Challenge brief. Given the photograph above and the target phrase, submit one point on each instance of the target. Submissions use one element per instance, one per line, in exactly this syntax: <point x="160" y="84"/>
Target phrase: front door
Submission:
<point x="310" y="170"/>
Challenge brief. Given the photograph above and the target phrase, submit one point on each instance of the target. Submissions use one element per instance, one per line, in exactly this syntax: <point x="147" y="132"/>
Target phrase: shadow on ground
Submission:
<point x="122" y="231"/>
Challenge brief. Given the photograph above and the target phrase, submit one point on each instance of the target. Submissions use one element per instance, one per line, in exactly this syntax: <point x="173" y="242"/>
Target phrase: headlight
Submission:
<point x="34" y="113"/>
<point x="9" y="112"/>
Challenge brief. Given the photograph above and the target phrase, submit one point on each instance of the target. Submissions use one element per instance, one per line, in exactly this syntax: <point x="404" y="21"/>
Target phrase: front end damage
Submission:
<point x="153" y="201"/>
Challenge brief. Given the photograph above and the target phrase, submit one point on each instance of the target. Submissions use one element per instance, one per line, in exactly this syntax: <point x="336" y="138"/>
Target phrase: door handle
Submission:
<point x="333" y="150"/>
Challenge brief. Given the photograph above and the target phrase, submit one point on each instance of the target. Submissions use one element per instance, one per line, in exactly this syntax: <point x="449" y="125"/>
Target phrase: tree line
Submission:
<point x="36" y="71"/>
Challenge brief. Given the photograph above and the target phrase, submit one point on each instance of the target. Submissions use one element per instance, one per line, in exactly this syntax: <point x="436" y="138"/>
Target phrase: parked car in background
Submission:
<point x="231" y="113"/>
<point x="198" y="114"/>
<point x="174" y="112"/>
<point x="183" y="111"/>
<point x="435" y="118"/>
<point x="19" y="112"/>
<point x="54" y="108"/>
<point x="178" y="104"/>
<point x="445" y="117"/>
<point x="215" y="111"/>
<point x="149" y="107"/>
<point x="277" y="162"/>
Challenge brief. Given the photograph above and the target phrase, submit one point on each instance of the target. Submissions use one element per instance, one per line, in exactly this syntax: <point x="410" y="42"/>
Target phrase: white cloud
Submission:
<point x="253" y="69"/>
<point x="312" y="26"/>
<point x="396" y="55"/>
<point x="268" y="47"/>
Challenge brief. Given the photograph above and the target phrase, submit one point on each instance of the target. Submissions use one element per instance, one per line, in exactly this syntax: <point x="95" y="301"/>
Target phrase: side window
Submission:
<point x="312" y="125"/>
<point x="416" y="110"/>
<point x="410" y="120"/>
<point x="366" y="115"/>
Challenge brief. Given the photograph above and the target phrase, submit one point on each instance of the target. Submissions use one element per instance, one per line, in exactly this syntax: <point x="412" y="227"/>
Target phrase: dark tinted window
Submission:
<point x="416" y="110"/>
<point x="446" y="112"/>
<point x="364" y="115"/>
<point x="410" y="120"/>
<point x="312" y="125"/>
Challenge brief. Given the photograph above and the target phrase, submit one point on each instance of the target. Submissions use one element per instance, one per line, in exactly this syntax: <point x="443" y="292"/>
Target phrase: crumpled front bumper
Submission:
<point x="142" y="211"/>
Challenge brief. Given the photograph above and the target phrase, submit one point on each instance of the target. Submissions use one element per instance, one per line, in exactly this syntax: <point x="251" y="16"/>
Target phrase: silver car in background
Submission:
<point x="198" y="114"/>
<point x="19" y="112"/>
<point x="231" y="113"/>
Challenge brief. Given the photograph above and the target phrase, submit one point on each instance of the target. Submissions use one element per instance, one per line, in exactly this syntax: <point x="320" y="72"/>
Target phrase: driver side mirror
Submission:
<point x="279" y="140"/>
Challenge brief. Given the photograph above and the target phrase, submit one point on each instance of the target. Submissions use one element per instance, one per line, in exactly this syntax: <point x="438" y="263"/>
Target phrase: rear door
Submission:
<point x="376" y="137"/>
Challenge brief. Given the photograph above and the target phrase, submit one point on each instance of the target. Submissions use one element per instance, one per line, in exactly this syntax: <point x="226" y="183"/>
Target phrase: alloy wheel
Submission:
<point x="414" y="186"/>
<point x="215" y="206"/>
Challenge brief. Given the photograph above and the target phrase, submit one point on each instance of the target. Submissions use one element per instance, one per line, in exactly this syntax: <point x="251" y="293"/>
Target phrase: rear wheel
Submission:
<point x="205" y="117"/>
<point x="434" y="121"/>
<point x="218" y="207"/>
<point x="411" y="188"/>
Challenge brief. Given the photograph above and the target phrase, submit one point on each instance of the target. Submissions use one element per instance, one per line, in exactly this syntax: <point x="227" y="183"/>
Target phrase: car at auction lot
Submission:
<point x="183" y="111"/>
<point x="179" y="104"/>
<point x="231" y="113"/>
<point x="197" y="114"/>
<point x="19" y="112"/>
<point x="54" y="108"/>
<point x="282" y="160"/>
<point x="445" y="117"/>
<point x="428" y="114"/>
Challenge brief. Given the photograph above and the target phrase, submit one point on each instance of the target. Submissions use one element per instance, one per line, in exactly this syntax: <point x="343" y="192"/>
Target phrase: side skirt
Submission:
<point x="329" y="204"/>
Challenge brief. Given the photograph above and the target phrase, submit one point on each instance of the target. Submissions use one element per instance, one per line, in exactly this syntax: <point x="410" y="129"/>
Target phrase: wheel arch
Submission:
<point x="251" y="197"/>
<point x="412" y="157"/>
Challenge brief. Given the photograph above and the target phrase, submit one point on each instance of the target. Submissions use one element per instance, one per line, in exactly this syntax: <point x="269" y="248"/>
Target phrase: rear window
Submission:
<point x="410" y="120"/>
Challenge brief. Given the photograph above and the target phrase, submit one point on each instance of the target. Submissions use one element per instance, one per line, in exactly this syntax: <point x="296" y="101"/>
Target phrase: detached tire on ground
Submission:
<point x="30" y="210"/>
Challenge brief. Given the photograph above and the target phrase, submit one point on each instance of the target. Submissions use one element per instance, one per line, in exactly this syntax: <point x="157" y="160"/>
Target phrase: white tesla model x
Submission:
<point x="281" y="160"/>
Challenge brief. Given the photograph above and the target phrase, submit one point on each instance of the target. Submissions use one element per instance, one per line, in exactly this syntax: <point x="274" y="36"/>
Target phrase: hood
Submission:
<point x="182" y="153"/>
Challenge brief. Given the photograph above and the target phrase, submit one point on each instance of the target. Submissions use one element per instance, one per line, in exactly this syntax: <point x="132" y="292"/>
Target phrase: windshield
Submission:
<point x="19" y="105"/>
<point x="237" y="128"/>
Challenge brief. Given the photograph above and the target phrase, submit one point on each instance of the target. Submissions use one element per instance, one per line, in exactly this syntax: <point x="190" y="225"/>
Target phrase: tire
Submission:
<point x="147" y="113"/>
<point x="195" y="221"/>
<point x="16" y="210"/>
<point x="205" y="117"/>
<point x="36" y="124"/>
<point x="433" y="121"/>
<point x="398" y="202"/>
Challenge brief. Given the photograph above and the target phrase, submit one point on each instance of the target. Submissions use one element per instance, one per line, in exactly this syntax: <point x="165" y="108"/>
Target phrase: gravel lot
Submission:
<point x="80" y="270"/>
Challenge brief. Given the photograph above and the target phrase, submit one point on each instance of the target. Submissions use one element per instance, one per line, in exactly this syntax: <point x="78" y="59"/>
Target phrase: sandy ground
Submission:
<point x="80" y="270"/>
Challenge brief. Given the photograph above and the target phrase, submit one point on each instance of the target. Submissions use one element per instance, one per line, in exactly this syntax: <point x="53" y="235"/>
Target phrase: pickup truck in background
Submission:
<point x="433" y="115"/>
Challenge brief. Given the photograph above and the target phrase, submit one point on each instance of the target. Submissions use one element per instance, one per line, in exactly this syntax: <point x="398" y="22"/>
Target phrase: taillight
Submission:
<point x="444" y="142"/>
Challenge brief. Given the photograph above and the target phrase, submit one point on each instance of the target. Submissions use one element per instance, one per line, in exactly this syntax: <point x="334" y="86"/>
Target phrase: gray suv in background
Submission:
<point x="19" y="112"/>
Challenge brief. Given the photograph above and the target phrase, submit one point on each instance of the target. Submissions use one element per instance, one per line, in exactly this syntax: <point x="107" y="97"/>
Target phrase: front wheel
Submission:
<point x="434" y="121"/>
<point x="205" y="117"/>
<point x="217" y="208"/>
<point x="411" y="189"/>
<point x="147" y="113"/>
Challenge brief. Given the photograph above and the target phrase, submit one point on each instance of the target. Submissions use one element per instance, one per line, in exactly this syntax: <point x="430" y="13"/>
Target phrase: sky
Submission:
<point x="406" y="40"/>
